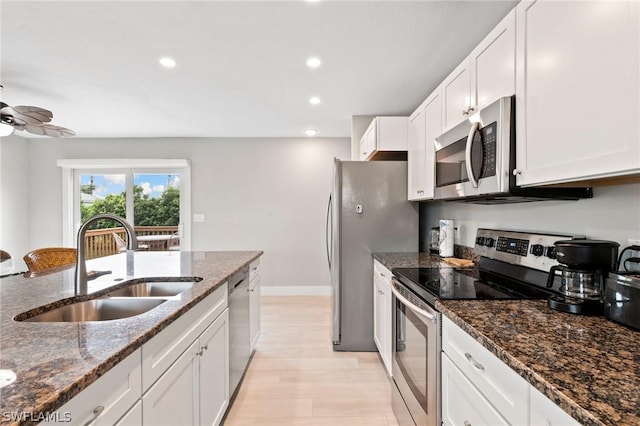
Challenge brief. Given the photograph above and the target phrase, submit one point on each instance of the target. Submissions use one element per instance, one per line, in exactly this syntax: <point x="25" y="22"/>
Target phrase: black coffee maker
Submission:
<point x="584" y="266"/>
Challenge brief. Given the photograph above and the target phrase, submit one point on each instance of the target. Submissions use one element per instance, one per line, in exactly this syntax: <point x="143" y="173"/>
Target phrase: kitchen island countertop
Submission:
<point x="588" y="366"/>
<point x="55" y="361"/>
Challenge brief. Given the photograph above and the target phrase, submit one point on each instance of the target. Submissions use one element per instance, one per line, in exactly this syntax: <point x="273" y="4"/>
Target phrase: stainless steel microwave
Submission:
<point x="474" y="161"/>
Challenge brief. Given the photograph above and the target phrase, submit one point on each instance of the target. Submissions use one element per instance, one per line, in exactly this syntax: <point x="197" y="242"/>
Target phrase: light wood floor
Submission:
<point x="295" y="378"/>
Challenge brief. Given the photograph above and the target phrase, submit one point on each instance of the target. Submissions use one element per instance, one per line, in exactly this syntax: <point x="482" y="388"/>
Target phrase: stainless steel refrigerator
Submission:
<point x="368" y="212"/>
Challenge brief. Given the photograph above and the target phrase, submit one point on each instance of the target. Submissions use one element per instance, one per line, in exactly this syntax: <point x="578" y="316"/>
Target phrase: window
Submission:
<point x="153" y="195"/>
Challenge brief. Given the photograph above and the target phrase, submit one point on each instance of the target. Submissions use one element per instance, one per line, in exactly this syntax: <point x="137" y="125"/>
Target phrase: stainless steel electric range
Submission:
<point x="512" y="265"/>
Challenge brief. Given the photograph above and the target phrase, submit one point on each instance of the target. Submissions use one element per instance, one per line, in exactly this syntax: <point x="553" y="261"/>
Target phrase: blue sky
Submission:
<point x="152" y="184"/>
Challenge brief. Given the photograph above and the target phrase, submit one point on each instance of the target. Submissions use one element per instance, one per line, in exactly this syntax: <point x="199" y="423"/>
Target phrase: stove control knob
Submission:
<point x="551" y="252"/>
<point x="480" y="241"/>
<point x="537" y="250"/>
<point x="489" y="242"/>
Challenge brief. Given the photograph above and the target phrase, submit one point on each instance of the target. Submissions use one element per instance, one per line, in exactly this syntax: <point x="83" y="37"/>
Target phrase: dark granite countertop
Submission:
<point x="409" y="260"/>
<point x="55" y="361"/>
<point x="589" y="366"/>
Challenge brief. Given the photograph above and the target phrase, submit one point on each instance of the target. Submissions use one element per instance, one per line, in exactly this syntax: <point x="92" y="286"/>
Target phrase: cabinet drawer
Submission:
<point x="162" y="350"/>
<point x="506" y="390"/>
<point x="462" y="403"/>
<point x="116" y="392"/>
<point x="382" y="273"/>
<point x="546" y="412"/>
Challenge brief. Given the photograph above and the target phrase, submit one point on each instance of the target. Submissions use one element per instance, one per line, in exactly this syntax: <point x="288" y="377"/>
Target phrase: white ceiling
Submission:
<point x="240" y="65"/>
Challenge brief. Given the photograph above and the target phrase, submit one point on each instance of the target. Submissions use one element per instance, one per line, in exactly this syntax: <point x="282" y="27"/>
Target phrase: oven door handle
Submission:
<point x="467" y="154"/>
<point x="411" y="306"/>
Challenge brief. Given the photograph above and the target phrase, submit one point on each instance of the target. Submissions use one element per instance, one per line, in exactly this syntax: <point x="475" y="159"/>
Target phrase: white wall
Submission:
<point x="14" y="195"/>
<point x="612" y="214"/>
<point x="257" y="194"/>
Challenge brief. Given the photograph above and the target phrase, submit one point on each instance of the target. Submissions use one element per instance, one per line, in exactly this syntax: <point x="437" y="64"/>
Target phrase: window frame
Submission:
<point x="71" y="169"/>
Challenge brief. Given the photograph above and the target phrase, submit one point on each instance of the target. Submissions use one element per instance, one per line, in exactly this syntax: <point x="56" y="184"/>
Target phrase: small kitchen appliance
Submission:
<point x="434" y="240"/>
<point x="583" y="266"/>
<point x="511" y="266"/>
<point x="622" y="298"/>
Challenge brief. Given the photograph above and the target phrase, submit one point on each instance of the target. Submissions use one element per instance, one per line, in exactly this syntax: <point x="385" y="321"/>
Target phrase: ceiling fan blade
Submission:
<point x="36" y="130"/>
<point x="57" y="131"/>
<point x="42" y="118"/>
<point x="23" y="109"/>
<point x="10" y="115"/>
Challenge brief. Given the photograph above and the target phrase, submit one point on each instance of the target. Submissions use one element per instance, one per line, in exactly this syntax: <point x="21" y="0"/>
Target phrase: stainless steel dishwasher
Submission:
<point x="239" y="344"/>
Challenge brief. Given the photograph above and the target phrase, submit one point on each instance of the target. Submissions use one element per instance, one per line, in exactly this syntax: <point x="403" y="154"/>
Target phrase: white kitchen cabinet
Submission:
<point x="185" y="368"/>
<point x="254" y="303"/>
<point x="425" y="124"/>
<point x="487" y="74"/>
<point x="133" y="416"/>
<point x="545" y="413"/>
<point x="173" y="399"/>
<point x="577" y="90"/>
<point x="195" y="389"/>
<point x="499" y="384"/>
<point x="384" y="134"/>
<point x="462" y="402"/>
<point x="382" y="312"/>
<point x="107" y="399"/>
<point x="478" y="388"/>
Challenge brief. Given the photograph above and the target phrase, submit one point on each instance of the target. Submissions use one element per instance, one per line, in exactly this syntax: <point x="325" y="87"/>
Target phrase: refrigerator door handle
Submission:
<point x="326" y="231"/>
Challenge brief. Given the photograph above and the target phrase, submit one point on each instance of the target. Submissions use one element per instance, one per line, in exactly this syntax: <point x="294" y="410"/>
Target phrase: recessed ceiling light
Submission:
<point x="314" y="100"/>
<point x="314" y="62"/>
<point x="311" y="132"/>
<point x="167" y="62"/>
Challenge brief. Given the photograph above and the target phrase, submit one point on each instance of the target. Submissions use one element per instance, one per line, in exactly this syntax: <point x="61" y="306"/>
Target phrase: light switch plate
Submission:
<point x="198" y="217"/>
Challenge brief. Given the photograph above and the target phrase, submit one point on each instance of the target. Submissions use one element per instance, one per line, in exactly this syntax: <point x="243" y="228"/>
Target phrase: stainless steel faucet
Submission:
<point x="81" y="264"/>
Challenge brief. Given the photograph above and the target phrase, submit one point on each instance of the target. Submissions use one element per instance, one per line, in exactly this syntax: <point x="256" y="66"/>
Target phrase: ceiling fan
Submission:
<point x="32" y="119"/>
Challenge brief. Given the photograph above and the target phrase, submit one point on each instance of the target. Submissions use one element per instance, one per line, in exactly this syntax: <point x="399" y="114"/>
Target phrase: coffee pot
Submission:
<point x="583" y="265"/>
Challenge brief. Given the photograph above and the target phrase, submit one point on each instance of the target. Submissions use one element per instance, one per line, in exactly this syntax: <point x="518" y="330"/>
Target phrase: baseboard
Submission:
<point x="296" y="290"/>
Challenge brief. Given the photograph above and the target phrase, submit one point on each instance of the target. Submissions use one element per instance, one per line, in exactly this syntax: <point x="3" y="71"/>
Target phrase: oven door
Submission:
<point x="473" y="158"/>
<point x="416" y="359"/>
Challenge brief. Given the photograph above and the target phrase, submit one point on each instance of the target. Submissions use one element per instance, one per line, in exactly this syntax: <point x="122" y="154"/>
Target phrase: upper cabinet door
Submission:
<point x="416" y="158"/>
<point x="577" y="90"/>
<point x="456" y="91"/>
<point x="487" y="74"/>
<point x="493" y="64"/>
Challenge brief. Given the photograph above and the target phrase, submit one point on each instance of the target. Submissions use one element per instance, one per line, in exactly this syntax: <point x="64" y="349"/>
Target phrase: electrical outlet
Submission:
<point x="633" y="242"/>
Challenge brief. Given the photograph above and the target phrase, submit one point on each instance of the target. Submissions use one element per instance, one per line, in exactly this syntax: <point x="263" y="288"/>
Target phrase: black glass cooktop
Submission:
<point x="452" y="284"/>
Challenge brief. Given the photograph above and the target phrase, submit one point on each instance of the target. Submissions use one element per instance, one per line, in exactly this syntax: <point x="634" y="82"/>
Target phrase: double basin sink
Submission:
<point x="136" y="298"/>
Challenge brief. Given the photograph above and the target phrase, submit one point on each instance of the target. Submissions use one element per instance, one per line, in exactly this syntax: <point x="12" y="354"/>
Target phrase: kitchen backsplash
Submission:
<point x="612" y="214"/>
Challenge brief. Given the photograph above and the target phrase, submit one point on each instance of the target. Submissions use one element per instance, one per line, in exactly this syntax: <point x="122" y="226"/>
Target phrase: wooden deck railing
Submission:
<point x="100" y="242"/>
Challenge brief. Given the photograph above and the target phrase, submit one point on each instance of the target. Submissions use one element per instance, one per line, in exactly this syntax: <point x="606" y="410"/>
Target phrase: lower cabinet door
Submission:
<point x="133" y="416"/>
<point x="545" y="413"/>
<point x="214" y="371"/>
<point x="462" y="403"/>
<point x="173" y="399"/>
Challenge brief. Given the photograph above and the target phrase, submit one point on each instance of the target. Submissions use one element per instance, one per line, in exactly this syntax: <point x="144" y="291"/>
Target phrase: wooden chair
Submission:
<point x="4" y="255"/>
<point x="174" y="242"/>
<point x="122" y="244"/>
<point x="50" y="257"/>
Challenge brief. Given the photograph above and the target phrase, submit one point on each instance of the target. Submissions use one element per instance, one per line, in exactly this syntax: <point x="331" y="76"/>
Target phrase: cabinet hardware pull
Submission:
<point x="475" y="363"/>
<point x="517" y="172"/>
<point x="199" y="353"/>
<point x="380" y="293"/>
<point x="364" y="153"/>
<point x="382" y="275"/>
<point x="205" y="347"/>
<point x="467" y="423"/>
<point x="96" y="413"/>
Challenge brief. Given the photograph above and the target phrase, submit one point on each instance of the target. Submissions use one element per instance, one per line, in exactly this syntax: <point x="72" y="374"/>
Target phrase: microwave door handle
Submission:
<point x="467" y="154"/>
<point x="411" y="306"/>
